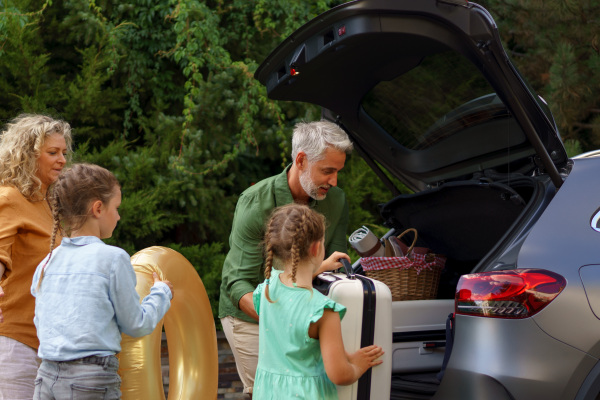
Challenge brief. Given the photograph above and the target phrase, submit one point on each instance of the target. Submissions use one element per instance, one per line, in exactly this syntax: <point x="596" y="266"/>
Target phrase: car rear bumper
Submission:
<point x="502" y="359"/>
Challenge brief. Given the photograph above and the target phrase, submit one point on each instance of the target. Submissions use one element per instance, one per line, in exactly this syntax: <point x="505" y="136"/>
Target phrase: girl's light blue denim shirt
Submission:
<point x="87" y="299"/>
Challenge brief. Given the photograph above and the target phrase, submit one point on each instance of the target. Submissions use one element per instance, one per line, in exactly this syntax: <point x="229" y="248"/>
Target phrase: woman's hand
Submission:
<point x="331" y="263"/>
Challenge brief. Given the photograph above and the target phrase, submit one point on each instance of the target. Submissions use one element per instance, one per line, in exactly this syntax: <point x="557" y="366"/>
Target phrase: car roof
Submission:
<point x="340" y="58"/>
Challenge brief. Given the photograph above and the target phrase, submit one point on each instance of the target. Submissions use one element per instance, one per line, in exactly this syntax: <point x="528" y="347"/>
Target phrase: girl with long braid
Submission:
<point x="85" y="292"/>
<point x="301" y="352"/>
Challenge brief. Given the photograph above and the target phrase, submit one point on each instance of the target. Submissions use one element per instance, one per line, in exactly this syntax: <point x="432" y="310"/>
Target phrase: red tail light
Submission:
<point x="517" y="293"/>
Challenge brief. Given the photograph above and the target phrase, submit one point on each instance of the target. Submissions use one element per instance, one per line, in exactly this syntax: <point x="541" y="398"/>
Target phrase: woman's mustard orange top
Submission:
<point x="25" y="229"/>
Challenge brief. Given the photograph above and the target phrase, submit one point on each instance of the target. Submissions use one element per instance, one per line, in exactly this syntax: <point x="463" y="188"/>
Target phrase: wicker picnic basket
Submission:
<point x="414" y="276"/>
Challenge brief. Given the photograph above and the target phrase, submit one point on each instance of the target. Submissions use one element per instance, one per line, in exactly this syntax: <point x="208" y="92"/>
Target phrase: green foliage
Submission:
<point x="555" y="44"/>
<point x="208" y="261"/>
<point x="573" y="147"/>
<point x="163" y="94"/>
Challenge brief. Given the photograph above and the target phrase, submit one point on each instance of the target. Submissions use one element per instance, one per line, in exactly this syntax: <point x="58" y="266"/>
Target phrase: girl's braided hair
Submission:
<point x="289" y="233"/>
<point x="71" y="197"/>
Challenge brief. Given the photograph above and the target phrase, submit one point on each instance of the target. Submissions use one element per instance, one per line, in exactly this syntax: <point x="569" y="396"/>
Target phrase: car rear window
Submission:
<point x="443" y="95"/>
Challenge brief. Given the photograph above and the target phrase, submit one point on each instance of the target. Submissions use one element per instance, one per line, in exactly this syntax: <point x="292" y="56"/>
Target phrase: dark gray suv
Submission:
<point x="429" y="96"/>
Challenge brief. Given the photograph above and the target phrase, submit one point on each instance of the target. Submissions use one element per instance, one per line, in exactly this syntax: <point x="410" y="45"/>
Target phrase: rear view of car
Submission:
<point x="429" y="97"/>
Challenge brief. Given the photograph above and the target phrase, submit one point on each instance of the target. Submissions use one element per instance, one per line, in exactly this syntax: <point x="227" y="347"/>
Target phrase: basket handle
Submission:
<point x="414" y="240"/>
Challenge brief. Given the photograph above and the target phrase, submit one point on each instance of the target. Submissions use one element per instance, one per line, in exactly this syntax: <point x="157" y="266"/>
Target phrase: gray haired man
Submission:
<point x="318" y="152"/>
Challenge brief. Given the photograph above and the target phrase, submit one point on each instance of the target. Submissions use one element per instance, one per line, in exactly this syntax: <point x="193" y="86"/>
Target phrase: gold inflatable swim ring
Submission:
<point x="190" y="331"/>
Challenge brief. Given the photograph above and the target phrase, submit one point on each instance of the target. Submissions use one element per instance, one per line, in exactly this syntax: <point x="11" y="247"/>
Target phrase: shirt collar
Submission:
<point x="80" y="240"/>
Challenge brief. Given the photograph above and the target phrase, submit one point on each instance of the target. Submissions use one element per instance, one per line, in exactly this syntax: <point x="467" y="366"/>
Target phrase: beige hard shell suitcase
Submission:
<point x="368" y="320"/>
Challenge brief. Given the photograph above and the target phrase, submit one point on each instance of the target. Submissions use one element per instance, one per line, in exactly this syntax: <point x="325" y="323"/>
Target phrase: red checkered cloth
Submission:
<point x="416" y="261"/>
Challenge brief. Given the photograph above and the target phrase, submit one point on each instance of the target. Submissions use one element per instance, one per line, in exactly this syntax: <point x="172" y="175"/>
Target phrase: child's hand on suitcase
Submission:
<point x="366" y="358"/>
<point x="332" y="262"/>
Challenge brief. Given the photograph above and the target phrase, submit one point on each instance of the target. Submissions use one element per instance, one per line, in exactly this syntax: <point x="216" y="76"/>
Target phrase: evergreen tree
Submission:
<point x="162" y="93"/>
<point x="555" y="45"/>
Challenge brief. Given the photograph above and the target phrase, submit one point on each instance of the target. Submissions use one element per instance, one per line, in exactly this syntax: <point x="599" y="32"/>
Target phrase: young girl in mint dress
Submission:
<point x="301" y="353"/>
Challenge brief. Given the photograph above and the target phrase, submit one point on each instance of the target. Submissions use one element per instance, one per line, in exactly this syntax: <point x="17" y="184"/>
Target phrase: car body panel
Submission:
<point x="591" y="386"/>
<point x="590" y="277"/>
<point x="517" y="356"/>
<point x="551" y="245"/>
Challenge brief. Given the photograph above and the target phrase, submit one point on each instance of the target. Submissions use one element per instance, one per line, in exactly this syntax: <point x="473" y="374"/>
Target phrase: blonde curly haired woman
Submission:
<point x="33" y="152"/>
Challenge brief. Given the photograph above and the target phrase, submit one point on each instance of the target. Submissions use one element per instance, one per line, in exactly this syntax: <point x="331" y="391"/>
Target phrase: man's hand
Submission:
<point x="246" y="304"/>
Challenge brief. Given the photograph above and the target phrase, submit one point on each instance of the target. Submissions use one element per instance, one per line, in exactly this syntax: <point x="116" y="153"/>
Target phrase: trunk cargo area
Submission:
<point x="470" y="222"/>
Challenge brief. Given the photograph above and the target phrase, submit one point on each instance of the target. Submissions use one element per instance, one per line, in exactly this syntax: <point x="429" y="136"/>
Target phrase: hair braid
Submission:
<point x="299" y="242"/>
<point x="288" y="235"/>
<point x="54" y="206"/>
<point x="71" y="196"/>
<point x="268" y="266"/>
<point x="269" y="261"/>
<point x="53" y="202"/>
<point x="295" y="261"/>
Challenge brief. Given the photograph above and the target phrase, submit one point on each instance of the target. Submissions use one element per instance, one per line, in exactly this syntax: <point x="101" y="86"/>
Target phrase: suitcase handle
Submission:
<point x="348" y="268"/>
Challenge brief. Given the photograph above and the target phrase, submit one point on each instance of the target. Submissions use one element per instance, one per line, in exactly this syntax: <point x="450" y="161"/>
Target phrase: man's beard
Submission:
<point x="309" y="186"/>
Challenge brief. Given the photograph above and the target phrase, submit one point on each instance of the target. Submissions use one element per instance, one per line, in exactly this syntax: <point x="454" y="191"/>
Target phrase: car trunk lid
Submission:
<point x="424" y="88"/>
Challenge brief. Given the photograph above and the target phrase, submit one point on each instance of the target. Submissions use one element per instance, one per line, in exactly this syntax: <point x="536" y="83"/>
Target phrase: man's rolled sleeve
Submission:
<point x="243" y="265"/>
